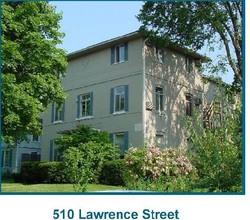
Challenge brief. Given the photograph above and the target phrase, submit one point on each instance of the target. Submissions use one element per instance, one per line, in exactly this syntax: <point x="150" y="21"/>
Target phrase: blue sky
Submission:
<point x="86" y="23"/>
<point x="89" y="22"/>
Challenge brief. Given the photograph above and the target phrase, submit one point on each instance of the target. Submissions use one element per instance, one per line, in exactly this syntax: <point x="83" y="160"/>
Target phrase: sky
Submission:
<point x="86" y="23"/>
<point x="89" y="22"/>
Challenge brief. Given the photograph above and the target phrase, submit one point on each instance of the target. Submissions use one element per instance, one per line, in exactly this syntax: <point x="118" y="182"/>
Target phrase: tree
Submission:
<point x="196" y="24"/>
<point x="30" y="66"/>
<point x="81" y="135"/>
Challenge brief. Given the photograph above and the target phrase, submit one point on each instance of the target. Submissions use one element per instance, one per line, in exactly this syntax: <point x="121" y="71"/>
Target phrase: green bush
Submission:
<point x="217" y="153"/>
<point x="85" y="162"/>
<point x="54" y="172"/>
<point x="113" y="172"/>
<point x="42" y="172"/>
<point x="30" y="172"/>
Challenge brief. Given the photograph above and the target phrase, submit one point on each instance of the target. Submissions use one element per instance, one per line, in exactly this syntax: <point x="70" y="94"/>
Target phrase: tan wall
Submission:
<point x="176" y="82"/>
<point x="94" y="73"/>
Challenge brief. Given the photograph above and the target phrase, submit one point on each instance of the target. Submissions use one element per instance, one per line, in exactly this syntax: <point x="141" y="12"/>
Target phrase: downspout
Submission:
<point x="143" y="92"/>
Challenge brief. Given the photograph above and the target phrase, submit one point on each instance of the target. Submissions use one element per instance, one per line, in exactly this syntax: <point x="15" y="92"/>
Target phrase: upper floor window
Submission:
<point x="119" y="53"/>
<point x="159" y="55"/>
<point x="189" y="65"/>
<point x="85" y="105"/>
<point x="35" y="138"/>
<point x="119" y="99"/>
<point x="189" y="101"/>
<point x="57" y="113"/>
<point x="159" y="98"/>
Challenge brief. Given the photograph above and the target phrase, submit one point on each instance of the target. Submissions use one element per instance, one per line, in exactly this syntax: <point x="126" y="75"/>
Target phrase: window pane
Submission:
<point x="119" y="98"/>
<point x="117" y="54"/>
<point x="85" y="105"/>
<point x="122" y="53"/>
<point x="159" y="98"/>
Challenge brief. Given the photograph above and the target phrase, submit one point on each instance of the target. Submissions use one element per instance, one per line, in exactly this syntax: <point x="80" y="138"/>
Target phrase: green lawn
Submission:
<point x="19" y="187"/>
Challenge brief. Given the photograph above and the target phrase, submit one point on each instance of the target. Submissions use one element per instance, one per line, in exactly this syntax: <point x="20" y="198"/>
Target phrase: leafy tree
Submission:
<point x="81" y="135"/>
<point x="195" y="24"/>
<point x="30" y="66"/>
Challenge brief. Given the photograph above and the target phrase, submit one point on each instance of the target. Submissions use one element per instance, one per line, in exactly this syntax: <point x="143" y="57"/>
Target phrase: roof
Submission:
<point x="128" y="37"/>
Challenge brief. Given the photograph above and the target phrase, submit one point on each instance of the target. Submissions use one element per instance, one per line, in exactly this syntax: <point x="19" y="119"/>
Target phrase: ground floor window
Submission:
<point x="6" y="158"/>
<point x="120" y="140"/>
<point x="159" y="140"/>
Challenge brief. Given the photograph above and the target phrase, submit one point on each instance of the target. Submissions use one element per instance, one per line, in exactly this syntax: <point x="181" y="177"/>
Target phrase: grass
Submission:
<point x="8" y="186"/>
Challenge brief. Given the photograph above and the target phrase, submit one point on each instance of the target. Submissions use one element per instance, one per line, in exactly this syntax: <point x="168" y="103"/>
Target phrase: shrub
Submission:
<point x="54" y="172"/>
<point x="158" y="170"/>
<point x="113" y="172"/>
<point x="42" y="172"/>
<point x="85" y="162"/>
<point x="217" y="153"/>
<point x="30" y="172"/>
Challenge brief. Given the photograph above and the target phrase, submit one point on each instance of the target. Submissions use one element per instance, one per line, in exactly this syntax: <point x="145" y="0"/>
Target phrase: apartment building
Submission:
<point x="137" y="92"/>
<point x="13" y="156"/>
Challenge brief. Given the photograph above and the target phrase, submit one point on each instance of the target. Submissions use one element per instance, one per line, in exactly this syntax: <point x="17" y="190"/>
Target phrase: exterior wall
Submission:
<point x="94" y="73"/>
<point x="91" y="71"/>
<point x="24" y="151"/>
<point x="173" y="77"/>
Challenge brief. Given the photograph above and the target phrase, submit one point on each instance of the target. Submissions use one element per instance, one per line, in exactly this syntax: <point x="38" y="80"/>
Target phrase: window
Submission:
<point x="35" y="138"/>
<point x="189" y="65"/>
<point x="85" y="105"/>
<point x="159" y="55"/>
<point x="119" y="99"/>
<point x="121" y="140"/>
<point x="6" y="158"/>
<point x="54" y="154"/>
<point x="57" y="113"/>
<point x="119" y="53"/>
<point x="159" y="140"/>
<point x="189" y="98"/>
<point x="159" y="98"/>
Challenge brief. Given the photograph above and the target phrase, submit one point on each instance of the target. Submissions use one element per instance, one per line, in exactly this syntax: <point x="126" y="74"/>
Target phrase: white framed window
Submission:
<point x="57" y="113"/>
<point x="159" y="99"/>
<point x="119" y="53"/>
<point x="119" y="99"/>
<point x="159" y="55"/>
<point x="6" y="158"/>
<point x="159" y="140"/>
<point x="85" y="105"/>
<point x="120" y="140"/>
<point x="35" y="138"/>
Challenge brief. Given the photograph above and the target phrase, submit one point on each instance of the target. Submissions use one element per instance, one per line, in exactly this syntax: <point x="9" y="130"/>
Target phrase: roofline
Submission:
<point x="127" y="37"/>
<point x="104" y="44"/>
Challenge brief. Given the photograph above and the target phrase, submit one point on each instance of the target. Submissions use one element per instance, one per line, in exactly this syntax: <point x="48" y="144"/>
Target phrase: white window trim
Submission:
<point x="84" y="118"/>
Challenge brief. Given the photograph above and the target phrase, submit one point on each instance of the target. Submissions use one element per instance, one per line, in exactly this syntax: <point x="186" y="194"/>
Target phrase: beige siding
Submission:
<point x="94" y="73"/>
<point x="176" y="81"/>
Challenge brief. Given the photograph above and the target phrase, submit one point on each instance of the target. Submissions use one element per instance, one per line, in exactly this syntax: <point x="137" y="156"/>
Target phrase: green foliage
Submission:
<point x="81" y="135"/>
<point x="196" y="24"/>
<point x="54" y="172"/>
<point x="156" y="169"/>
<point x="42" y="172"/>
<point x="85" y="162"/>
<point x="30" y="173"/>
<point x="113" y="172"/>
<point x="217" y="153"/>
<point x="30" y="65"/>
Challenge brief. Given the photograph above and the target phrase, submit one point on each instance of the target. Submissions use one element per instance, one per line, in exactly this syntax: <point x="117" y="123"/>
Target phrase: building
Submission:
<point x="13" y="156"/>
<point x="137" y="92"/>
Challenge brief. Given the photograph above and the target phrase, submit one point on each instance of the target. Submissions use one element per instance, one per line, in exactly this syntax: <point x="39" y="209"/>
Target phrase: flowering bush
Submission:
<point x="156" y="169"/>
